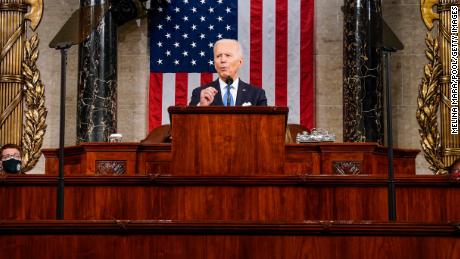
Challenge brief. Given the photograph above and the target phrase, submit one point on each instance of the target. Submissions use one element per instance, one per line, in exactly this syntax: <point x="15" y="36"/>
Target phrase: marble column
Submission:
<point x="97" y="80"/>
<point x="362" y="74"/>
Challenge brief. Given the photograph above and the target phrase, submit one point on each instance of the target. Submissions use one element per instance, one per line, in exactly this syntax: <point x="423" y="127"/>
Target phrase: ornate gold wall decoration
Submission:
<point x="22" y="100"/>
<point x="428" y="103"/>
<point x="35" y="12"/>
<point x="428" y="15"/>
<point x="441" y="147"/>
<point x="35" y="113"/>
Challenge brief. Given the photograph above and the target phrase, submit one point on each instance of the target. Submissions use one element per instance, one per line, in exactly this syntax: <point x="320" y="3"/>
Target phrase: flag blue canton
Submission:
<point x="183" y="32"/>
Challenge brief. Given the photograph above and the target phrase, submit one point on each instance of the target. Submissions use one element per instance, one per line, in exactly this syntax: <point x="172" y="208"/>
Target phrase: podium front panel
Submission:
<point x="228" y="141"/>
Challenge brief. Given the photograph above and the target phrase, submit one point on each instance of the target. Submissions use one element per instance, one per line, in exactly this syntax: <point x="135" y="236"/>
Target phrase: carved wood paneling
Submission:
<point x="346" y="167"/>
<point x="110" y="167"/>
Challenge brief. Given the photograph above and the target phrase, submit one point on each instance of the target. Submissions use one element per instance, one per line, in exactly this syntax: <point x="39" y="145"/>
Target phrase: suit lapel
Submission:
<point x="241" y="96"/>
<point x="218" y="97"/>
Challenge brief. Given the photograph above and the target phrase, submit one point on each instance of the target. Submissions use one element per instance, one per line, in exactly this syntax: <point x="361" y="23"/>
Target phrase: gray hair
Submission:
<point x="240" y="48"/>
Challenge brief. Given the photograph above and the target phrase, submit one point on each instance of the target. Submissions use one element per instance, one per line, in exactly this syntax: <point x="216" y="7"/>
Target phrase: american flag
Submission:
<point x="277" y="41"/>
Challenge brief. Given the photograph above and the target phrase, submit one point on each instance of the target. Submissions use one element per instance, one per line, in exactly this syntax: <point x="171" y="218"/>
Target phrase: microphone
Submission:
<point x="228" y="81"/>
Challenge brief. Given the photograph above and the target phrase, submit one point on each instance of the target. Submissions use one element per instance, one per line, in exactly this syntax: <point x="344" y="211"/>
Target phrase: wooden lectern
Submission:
<point x="228" y="140"/>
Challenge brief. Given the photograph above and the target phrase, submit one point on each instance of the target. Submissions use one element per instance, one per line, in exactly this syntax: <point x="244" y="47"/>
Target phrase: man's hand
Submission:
<point x="207" y="96"/>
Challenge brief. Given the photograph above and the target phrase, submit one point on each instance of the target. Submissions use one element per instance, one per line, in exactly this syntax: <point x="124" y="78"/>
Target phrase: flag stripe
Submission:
<point x="206" y="78"/>
<point x="268" y="46"/>
<point x="244" y="36"/>
<point x="307" y="93"/>
<point x="168" y="97"/>
<point x="281" y="53"/>
<point x="256" y="42"/>
<point x="194" y="80"/>
<point x="293" y="62"/>
<point x="181" y="88"/>
<point x="155" y="100"/>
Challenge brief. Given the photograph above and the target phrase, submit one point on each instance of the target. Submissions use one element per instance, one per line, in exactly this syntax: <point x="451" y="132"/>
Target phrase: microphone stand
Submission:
<point x="388" y="42"/>
<point x="391" y="181"/>
<point x="64" y="47"/>
<point x="80" y="24"/>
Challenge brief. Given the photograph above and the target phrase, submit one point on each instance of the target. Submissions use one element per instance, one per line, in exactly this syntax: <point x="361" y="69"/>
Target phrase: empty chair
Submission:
<point x="160" y="134"/>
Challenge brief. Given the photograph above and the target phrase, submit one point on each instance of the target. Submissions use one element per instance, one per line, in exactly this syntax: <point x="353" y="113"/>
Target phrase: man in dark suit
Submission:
<point x="228" y="58"/>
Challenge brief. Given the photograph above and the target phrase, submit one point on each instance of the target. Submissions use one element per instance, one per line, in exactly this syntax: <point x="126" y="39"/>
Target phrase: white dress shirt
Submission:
<point x="233" y="89"/>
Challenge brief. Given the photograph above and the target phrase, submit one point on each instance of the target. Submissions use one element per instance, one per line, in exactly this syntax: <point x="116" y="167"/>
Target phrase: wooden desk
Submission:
<point x="228" y="141"/>
<point x="299" y="159"/>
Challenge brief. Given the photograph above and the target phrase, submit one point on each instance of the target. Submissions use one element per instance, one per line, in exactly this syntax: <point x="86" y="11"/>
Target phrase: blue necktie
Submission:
<point x="228" y="98"/>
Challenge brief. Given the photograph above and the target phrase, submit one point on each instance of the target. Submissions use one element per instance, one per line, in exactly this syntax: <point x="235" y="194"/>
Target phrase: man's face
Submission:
<point x="227" y="59"/>
<point x="11" y="152"/>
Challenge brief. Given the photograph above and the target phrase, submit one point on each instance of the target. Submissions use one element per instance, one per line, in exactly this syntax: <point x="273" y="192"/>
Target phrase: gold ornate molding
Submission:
<point x="428" y="15"/>
<point x="428" y="103"/>
<point x="441" y="148"/>
<point x="22" y="99"/>
<point x="35" y="13"/>
<point x="35" y="113"/>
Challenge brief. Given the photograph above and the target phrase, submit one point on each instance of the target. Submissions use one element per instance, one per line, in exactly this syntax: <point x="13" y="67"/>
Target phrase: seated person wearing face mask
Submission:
<point x="11" y="159"/>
